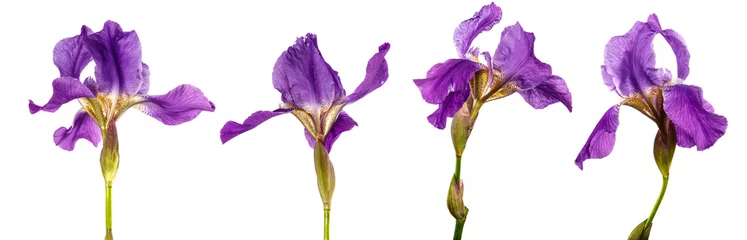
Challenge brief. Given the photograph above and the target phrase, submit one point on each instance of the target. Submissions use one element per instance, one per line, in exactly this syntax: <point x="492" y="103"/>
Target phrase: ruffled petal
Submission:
<point x="693" y="117"/>
<point x="515" y="58"/>
<point x="448" y="108"/>
<point x="232" y="129"/>
<point x="64" y="90"/>
<point x="484" y="20"/>
<point x="551" y="91"/>
<point x="178" y="106"/>
<point x="343" y="124"/>
<point x="445" y="78"/>
<point x="377" y="72"/>
<point x="602" y="138"/>
<point x="304" y="79"/>
<point x="70" y="55"/>
<point x="117" y="55"/>
<point x="84" y="127"/>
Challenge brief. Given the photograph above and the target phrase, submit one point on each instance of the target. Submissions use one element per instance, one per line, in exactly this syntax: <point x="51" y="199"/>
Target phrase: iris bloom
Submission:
<point x="121" y="83"/>
<point x="460" y="86"/>
<point x="311" y="90"/>
<point x="680" y="112"/>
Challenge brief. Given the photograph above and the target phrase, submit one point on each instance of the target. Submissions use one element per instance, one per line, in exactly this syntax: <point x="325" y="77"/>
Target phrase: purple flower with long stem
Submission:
<point x="311" y="90"/>
<point x="680" y="112"/>
<point x="460" y="86"/>
<point x="122" y="82"/>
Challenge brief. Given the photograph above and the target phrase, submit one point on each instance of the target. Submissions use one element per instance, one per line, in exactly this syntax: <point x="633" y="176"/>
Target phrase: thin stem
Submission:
<point x="458" y="229"/>
<point x="108" y="207"/>
<point x="458" y="169"/>
<point x="665" y="181"/>
<point x="326" y="223"/>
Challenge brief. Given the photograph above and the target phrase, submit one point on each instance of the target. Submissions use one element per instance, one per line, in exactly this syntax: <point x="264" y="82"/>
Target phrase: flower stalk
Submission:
<point x="109" y="165"/>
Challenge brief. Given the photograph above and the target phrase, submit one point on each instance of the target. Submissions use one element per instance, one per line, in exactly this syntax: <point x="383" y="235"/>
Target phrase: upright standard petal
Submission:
<point x="232" y="129"/>
<point x="377" y="72"/>
<point x="303" y="77"/>
<point x="84" y="127"/>
<point x="693" y="117"/>
<point x="629" y="61"/>
<point x="551" y="91"/>
<point x="602" y="139"/>
<point x="445" y="78"/>
<point x="117" y="55"/>
<point x="515" y="58"/>
<point x="343" y="124"/>
<point x="678" y="46"/>
<point x="70" y="55"/>
<point x="64" y="90"/>
<point x="484" y="20"/>
<point x="180" y="105"/>
<point x="448" y="108"/>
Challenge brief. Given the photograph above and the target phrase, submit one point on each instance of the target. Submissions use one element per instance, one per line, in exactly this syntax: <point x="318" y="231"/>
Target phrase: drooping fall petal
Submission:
<point x="693" y="117"/>
<point x="343" y="124"/>
<point x="64" y="90"/>
<point x="84" y="127"/>
<point x="232" y="129"/>
<point x="602" y="138"/>
<point x="179" y="105"/>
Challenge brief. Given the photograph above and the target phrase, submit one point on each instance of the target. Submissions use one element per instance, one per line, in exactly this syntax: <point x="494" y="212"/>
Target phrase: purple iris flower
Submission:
<point x="311" y="90"/>
<point x="460" y="86"/>
<point x="680" y="112"/>
<point x="512" y="68"/>
<point x="630" y="70"/>
<point x="122" y="82"/>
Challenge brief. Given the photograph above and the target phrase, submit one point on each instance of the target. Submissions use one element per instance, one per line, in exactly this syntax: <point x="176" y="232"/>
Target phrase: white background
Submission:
<point x="393" y="170"/>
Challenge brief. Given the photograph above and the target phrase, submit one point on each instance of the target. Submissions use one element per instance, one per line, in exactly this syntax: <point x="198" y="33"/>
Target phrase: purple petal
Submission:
<point x="551" y="91"/>
<point x="117" y="56"/>
<point x="70" y="55"/>
<point x="484" y="20"/>
<point x="448" y="108"/>
<point x="303" y="77"/>
<point x="630" y="61"/>
<point x="64" y="90"/>
<point x="693" y="117"/>
<point x="84" y="127"/>
<point x="178" y="106"/>
<point x="91" y="85"/>
<point x="343" y="124"/>
<point x="232" y="129"/>
<point x="678" y="46"/>
<point x="377" y="73"/>
<point x="515" y="58"/>
<point x="445" y="78"/>
<point x="145" y="74"/>
<point x="602" y="139"/>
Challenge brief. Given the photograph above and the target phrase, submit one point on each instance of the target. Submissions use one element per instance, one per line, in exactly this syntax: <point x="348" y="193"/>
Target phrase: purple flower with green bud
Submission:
<point x="460" y="86"/>
<point x="311" y="90"/>
<point x="121" y="82"/>
<point x="680" y="112"/>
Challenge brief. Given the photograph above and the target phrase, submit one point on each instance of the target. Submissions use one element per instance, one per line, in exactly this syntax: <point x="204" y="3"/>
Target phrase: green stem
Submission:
<point x="108" y="207"/>
<point x="665" y="181"/>
<point x="326" y="223"/>
<point x="458" y="229"/>
<point x="458" y="169"/>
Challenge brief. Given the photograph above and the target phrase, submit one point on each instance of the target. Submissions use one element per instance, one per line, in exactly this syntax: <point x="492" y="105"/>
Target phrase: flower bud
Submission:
<point x="454" y="200"/>
<point x="639" y="233"/>
<point x="325" y="173"/>
<point x="461" y="127"/>
<point x="110" y="154"/>
<point x="664" y="145"/>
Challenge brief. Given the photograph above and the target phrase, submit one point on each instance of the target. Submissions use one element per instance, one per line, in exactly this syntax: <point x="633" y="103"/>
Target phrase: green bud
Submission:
<point x="639" y="233"/>
<point x="110" y="154"/>
<point x="325" y="173"/>
<point x="455" y="200"/>
<point x="664" y="145"/>
<point x="461" y="127"/>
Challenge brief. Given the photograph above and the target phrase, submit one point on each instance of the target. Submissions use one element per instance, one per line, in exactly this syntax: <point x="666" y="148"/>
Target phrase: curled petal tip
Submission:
<point x="33" y="108"/>
<point x="384" y="47"/>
